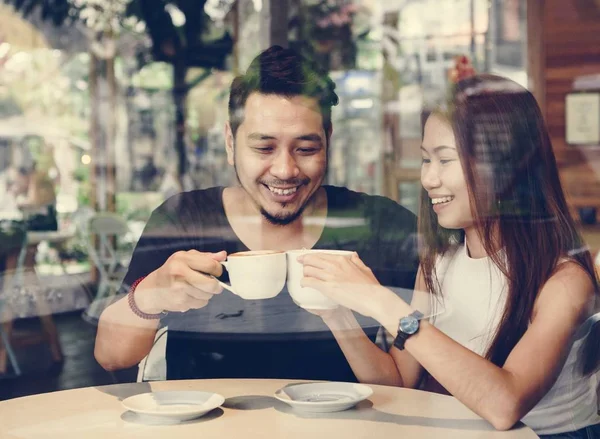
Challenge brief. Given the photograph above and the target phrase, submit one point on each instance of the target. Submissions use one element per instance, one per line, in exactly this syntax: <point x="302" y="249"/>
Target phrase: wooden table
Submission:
<point x="250" y="411"/>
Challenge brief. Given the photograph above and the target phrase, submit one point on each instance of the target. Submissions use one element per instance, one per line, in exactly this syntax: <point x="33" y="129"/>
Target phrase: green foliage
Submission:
<point x="82" y="175"/>
<point x="154" y="76"/>
<point x="137" y="206"/>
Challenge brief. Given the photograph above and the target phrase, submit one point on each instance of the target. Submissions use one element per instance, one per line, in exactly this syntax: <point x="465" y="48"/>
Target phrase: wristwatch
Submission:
<point x="407" y="327"/>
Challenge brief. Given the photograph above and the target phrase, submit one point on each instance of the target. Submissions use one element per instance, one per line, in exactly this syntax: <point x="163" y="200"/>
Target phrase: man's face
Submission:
<point x="279" y="154"/>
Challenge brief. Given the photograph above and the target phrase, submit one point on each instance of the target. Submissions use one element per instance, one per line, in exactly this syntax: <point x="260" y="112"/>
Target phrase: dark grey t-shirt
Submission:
<point x="273" y="338"/>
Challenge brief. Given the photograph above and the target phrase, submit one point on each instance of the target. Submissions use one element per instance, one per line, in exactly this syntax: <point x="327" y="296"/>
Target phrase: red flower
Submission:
<point x="462" y="69"/>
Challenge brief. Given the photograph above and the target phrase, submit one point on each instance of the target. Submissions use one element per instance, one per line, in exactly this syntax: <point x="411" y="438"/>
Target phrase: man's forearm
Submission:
<point x="123" y="338"/>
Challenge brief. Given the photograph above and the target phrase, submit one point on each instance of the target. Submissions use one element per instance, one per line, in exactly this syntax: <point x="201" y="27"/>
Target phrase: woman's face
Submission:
<point x="18" y="182"/>
<point x="442" y="175"/>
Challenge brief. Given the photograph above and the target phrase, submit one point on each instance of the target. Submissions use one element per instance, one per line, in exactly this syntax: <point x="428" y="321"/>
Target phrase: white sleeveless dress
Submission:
<point x="474" y="293"/>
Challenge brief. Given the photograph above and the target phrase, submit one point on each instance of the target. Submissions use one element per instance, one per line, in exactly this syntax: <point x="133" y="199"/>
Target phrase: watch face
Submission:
<point x="409" y="325"/>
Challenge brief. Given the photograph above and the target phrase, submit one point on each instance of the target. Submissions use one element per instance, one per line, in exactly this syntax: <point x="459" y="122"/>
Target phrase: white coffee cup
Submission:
<point x="307" y="298"/>
<point x="256" y="274"/>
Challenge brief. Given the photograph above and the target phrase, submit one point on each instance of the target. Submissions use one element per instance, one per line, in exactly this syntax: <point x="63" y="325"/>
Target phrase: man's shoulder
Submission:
<point x="344" y="198"/>
<point x="188" y="208"/>
<point x="194" y="199"/>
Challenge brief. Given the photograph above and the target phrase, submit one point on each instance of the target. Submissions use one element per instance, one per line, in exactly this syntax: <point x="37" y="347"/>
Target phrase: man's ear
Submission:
<point x="229" y="143"/>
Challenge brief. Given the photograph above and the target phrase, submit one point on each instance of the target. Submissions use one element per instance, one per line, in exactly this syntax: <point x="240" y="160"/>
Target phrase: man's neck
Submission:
<point x="257" y="233"/>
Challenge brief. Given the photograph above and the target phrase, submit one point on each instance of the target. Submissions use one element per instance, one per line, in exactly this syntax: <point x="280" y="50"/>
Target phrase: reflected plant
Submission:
<point x="326" y="29"/>
<point x="106" y="19"/>
<point x="102" y="15"/>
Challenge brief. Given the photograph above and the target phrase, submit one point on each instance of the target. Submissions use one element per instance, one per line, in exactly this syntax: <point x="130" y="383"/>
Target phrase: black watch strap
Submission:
<point x="401" y="337"/>
<point x="400" y="340"/>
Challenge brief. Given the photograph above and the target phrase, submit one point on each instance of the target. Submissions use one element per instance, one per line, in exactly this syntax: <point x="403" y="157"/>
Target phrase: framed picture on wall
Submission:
<point x="582" y="118"/>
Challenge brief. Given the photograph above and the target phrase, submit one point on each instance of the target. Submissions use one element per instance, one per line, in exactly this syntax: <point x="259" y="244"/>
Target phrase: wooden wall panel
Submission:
<point x="569" y="46"/>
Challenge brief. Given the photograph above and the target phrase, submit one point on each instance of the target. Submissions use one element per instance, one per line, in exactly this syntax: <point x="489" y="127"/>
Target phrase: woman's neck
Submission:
<point x="475" y="248"/>
<point x="474" y="243"/>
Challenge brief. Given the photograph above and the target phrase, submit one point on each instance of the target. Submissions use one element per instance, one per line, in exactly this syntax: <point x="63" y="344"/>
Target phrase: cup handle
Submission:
<point x="223" y="284"/>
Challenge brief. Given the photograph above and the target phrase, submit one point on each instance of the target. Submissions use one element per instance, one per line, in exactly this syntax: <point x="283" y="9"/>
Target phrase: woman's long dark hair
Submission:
<point x="517" y="203"/>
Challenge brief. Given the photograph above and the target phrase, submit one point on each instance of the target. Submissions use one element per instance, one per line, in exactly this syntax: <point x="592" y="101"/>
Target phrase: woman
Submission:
<point x="501" y="254"/>
<point x="34" y="194"/>
<point x="36" y="197"/>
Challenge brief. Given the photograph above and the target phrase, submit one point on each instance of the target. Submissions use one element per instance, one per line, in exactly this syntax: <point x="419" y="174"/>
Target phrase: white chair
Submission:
<point x="153" y="367"/>
<point x="12" y="278"/>
<point x="29" y="299"/>
<point x="8" y="350"/>
<point x="107" y="227"/>
<point x="109" y="262"/>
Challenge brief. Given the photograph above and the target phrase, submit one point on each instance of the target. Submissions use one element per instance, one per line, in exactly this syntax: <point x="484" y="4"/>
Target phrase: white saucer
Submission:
<point x="323" y="397"/>
<point x="179" y="405"/>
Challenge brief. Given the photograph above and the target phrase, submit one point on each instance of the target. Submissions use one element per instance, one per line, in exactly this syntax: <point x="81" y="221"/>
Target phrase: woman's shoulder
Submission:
<point x="571" y="285"/>
<point x="570" y="274"/>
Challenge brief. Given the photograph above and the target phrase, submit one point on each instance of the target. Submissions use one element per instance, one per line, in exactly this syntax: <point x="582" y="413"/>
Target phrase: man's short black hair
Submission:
<point x="283" y="72"/>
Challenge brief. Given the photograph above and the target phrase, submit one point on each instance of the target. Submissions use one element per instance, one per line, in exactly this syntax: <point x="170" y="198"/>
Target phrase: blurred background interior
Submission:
<point x="107" y="107"/>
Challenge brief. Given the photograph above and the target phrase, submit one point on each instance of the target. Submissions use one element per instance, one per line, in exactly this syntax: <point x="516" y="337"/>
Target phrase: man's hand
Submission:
<point x="182" y="283"/>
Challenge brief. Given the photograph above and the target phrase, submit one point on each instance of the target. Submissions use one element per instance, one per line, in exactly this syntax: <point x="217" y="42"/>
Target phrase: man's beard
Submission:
<point x="285" y="219"/>
<point x="281" y="219"/>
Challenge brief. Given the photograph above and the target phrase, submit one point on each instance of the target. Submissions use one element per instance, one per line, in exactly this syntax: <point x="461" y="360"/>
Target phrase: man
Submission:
<point x="277" y="139"/>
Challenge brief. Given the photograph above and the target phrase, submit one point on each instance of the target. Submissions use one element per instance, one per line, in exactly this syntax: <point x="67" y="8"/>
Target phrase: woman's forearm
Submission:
<point x="486" y="389"/>
<point x="368" y="362"/>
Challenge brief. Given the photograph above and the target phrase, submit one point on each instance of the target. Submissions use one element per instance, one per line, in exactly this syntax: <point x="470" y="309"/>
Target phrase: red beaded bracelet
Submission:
<point x="134" y="308"/>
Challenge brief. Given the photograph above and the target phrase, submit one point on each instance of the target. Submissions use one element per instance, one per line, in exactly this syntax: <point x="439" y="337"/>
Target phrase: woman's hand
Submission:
<point x="327" y="314"/>
<point x="346" y="280"/>
<point x="334" y="317"/>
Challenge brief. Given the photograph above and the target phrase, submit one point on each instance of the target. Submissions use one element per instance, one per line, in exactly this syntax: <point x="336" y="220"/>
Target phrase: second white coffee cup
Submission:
<point x="307" y="298"/>
<point x="256" y="274"/>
